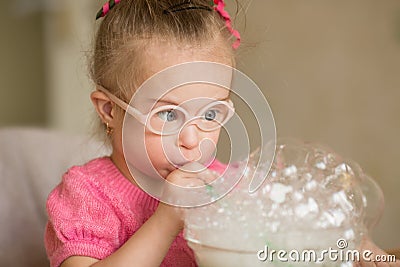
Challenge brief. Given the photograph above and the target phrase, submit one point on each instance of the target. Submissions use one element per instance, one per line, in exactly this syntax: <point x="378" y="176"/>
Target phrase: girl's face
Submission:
<point x="191" y="143"/>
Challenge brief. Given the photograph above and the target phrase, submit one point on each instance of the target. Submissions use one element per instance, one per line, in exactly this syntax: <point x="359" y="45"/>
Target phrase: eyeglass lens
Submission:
<point x="171" y="120"/>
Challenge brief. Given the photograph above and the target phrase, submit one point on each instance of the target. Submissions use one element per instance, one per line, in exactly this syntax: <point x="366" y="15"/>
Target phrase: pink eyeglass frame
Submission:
<point x="142" y="118"/>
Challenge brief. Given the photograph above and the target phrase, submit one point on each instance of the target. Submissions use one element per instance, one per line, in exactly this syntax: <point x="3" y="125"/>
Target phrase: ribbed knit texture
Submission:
<point x="95" y="210"/>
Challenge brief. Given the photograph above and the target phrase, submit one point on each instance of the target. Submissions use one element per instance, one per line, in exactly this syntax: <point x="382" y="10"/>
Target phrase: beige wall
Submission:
<point x="330" y="70"/>
<point x="331" y="73"/>
<point x="68" y="36"/>
<point x="22" y="77"/>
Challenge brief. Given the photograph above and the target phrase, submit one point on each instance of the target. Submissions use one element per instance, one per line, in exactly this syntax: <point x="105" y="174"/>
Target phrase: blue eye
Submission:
<point x="167" y="115"/>
<point x="210" y="115"/>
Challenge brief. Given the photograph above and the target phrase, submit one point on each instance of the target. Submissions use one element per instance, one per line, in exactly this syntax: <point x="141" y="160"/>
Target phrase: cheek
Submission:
<point x="213" y="136"/>
<point x="117" y="140"/>
<point x="155" y="149"/>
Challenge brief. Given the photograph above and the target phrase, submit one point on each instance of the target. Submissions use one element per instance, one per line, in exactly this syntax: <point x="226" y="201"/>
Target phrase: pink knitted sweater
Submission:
<point x="95" y="210"/>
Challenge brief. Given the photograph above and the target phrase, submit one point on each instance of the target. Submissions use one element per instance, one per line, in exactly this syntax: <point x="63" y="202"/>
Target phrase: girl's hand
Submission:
<point x="190" y="175"/>
<point x="377" y="254"/>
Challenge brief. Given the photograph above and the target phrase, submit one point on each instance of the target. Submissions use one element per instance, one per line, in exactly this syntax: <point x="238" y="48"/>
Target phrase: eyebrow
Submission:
<point x="172" y="102"/>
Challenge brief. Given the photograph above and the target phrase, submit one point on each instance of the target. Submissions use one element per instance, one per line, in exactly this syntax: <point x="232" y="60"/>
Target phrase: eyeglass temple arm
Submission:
<point x="131" y="110"/>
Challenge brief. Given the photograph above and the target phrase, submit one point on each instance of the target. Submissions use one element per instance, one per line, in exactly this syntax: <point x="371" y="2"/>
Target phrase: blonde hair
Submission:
<point x="129" y="26"/>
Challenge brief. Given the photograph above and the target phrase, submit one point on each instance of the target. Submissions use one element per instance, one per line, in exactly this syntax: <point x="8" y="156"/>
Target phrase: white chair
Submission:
<point x="32" y="162"/>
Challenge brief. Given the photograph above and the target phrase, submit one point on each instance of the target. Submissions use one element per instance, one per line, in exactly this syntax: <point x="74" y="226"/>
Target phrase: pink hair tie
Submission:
<point x="107" y="7"/>
<point x="220" y="8"/>
<point x="224" y="14"/>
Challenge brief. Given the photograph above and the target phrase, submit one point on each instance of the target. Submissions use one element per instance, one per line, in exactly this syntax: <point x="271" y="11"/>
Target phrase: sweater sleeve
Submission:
<point x="81" y="221"/>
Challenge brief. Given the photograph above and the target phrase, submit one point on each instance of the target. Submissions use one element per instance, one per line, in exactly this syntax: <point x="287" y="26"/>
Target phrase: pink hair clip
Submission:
<point x="107" y="7"/>
<point x="220" y="8"/>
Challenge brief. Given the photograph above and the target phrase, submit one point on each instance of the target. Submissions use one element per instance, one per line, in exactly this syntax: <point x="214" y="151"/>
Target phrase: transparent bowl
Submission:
<point x="209" y="256"/>
<point x="311" y="199"/>
<point x="290" y="243"/>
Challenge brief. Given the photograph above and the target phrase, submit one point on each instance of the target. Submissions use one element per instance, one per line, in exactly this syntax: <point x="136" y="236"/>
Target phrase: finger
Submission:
<point x="382" y="264"/>
<point x="395" y="264"/>
<point x="367" y="264"/>
<point x="208" y="176"/>
<point x="193" y="167"/>
<point x="205" y="176"/>
<point x="185" y="192"/>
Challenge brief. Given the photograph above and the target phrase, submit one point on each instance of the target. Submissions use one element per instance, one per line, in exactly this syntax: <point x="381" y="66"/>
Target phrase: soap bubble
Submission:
<point x="311" y="198"/>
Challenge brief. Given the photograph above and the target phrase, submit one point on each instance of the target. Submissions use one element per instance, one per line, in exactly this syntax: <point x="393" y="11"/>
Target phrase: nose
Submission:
<point x="189" y="140"/>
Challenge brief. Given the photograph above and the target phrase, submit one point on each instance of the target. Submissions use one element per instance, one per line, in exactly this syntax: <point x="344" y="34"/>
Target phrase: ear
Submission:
<point x="104" y="107"/>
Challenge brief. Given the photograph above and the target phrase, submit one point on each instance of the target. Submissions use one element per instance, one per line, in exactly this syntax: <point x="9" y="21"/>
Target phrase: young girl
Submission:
<point x="98" y="215"/>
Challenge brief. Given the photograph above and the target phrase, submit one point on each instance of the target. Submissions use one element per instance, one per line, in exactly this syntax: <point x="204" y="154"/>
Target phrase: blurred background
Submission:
<point x="329" y="69"/>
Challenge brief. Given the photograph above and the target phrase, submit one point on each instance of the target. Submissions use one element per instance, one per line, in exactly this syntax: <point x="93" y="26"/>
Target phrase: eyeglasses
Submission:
<point x="170" y="119"/>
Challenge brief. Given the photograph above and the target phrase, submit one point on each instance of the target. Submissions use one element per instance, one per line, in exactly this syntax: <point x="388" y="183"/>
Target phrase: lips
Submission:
<point x="181" y="164"/>
<point x="178" y="160"/>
